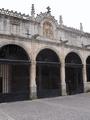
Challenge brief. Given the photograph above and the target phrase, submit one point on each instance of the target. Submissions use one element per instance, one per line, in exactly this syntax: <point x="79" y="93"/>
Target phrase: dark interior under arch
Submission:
<point x="88" y="68"/>
<point x="73" y="74"/>
<point x="15" y="66"/>
<point x="48" y="74"/>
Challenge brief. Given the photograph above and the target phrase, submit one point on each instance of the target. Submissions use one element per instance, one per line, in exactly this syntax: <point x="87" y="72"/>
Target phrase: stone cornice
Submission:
<point x="60" y="44"/>
<point x="71" y="30"/>
<point x="25" y="39"/>
<point x="13" y="37"/>
<point x="14" y="14"/>
<point x="74" y="31"/>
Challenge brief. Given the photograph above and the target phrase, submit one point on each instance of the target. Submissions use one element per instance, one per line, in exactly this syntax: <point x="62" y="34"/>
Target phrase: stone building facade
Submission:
<point x="40" y="57"/>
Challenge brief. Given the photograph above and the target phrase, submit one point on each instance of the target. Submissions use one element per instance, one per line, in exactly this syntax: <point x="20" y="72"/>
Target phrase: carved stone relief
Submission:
<point x="48" y="30"/>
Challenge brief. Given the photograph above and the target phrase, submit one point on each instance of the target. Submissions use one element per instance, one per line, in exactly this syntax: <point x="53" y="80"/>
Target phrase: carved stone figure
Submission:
<point x="48" y="30"/>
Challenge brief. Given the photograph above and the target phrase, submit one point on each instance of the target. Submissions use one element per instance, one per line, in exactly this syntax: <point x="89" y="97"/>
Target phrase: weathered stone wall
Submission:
<point x="19" y="29"/>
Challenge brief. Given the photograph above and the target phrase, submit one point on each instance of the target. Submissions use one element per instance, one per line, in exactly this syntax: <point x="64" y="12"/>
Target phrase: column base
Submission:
<point x="87" y="87"/>
<point x="33" y="92"/>
<point x="64" y="93"/>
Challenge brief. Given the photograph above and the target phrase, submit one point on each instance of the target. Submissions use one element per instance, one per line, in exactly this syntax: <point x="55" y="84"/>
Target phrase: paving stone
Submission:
<point x="76" y="107"/>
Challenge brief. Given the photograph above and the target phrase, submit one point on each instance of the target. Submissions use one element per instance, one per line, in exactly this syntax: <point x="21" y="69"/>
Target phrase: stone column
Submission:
<point x="63" y="83"/>
<point x="84" y="77"/>
<point x="33" y="91"/>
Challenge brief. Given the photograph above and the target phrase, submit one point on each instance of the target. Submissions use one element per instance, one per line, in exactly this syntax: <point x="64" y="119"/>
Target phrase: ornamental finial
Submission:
<point x="81" y="27"/>
<point x="32" y="11"/>
<point x="48" y="9"/>
<point x="61" y="20"/>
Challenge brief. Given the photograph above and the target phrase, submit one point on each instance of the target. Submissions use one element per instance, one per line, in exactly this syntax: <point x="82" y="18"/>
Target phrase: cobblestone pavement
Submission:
<point x="76" y="107"/>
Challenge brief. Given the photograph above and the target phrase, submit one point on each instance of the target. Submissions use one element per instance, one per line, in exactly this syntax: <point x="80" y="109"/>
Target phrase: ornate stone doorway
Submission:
<point x="73" y="74"/>
<point x="14" y="73"/>
<point x="48" y="74"/>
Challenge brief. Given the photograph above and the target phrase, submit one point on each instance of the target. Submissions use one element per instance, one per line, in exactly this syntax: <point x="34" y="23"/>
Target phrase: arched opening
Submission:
<point x="48" y="74"/>
<point x="73" y="74"/>
<point x="14" y="73"/>
<point x="88" y="68"/>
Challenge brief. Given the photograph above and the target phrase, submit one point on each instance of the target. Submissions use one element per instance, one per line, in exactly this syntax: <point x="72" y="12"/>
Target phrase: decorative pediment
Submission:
<point x="47" y="16"/>
<point x="48" y="24"/>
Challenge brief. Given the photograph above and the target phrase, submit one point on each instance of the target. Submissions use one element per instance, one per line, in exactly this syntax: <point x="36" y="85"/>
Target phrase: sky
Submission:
<point x="73" y="12"/>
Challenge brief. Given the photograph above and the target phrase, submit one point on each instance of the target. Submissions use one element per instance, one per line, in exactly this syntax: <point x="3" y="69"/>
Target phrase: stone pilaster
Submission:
<point x="63" y="83"/>
<point x="33" y="91"/>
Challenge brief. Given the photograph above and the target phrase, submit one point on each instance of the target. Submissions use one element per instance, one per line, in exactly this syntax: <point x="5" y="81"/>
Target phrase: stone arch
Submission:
<point x="73" y="73"/>
<point x="19" y="45"/>
<point x="48" y="47"/>
<point x="15" y="72"/>
<point x="48" y="74"/>
<point x="76" y="52"/>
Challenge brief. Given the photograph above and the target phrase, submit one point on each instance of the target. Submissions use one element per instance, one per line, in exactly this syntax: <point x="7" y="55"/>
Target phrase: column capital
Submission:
<point x="62" y="59"/>
<point x="33" y="62"/>
<point x="62" y="64"/>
